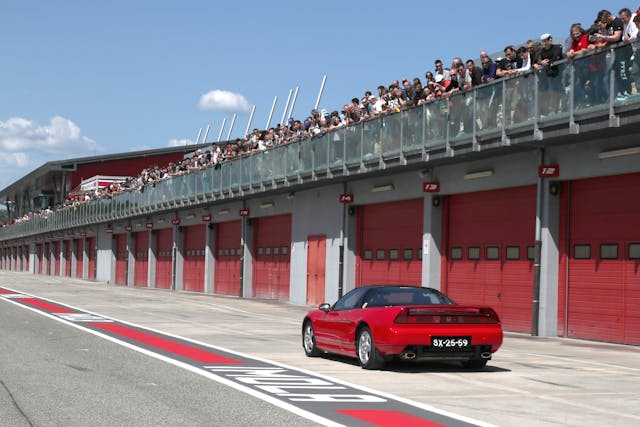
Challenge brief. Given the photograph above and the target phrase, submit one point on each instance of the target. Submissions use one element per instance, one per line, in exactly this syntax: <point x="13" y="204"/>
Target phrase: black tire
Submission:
<point x="309" y="340"/>
<point x="475" y="363"/>
<point x="366" y="351"/>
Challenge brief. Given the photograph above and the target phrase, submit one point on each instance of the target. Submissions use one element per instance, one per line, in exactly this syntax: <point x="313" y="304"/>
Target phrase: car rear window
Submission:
<point x="382" y="297"/>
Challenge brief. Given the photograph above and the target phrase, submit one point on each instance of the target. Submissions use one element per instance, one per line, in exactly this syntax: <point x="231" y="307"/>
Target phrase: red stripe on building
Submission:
<point x="385" y="418"/>
<point x="43" y="305"/>
<point x="165" y="344"/>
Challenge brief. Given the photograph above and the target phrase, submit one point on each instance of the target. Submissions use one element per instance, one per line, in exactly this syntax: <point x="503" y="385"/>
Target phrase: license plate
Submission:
<point x="451" y="342"/>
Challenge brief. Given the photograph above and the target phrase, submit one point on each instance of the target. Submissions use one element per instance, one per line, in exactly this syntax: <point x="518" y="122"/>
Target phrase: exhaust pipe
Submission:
<point x="408" y="355"/>
<point x="486" y="355"/>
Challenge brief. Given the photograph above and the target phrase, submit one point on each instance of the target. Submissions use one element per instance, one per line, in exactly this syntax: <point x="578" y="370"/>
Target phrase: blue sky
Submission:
<point x="84" y="78"/>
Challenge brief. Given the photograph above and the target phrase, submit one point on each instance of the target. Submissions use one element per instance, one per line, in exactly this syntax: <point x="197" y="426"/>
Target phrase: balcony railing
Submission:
<point x="572" y="91"/>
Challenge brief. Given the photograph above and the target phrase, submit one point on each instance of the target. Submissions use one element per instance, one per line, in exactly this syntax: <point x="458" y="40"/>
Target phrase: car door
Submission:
<point x="332" y="327"/>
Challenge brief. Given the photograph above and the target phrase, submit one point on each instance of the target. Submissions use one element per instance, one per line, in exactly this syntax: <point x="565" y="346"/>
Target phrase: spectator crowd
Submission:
<point x="538" y="56"/>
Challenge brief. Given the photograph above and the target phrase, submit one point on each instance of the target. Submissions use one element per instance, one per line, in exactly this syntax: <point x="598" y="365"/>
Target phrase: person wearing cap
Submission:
<point x="550" y="81"/>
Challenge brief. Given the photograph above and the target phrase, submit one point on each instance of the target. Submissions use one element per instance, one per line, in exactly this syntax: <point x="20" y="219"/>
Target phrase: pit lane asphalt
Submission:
<point x="530" y="381"/>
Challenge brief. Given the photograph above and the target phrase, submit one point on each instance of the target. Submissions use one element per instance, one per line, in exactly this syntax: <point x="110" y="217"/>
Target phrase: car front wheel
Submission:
<point x="309" y="340"/>
<point x="367" y="353"/>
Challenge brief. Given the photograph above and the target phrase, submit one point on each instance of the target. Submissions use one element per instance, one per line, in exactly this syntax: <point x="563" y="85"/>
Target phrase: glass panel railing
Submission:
<point x="279" y="161"/>
<point x="461" y="116"/>
<point x="353" y="144"/>
<point x="255" y="170"/>
<point x="321" y="153"/>
<point x="306" y="157"/>
<point x="126" y="204"/>
<point x="336" y="149"/>
<point x="266" y="165"/>
<point x="519" y="100"/>
<point x="225" y="174"/>
<point x="591" y="83"/>
<point x="391" y="135"/>
<point x="190" y="187"/>
<point x="489" y="109"/>
<point x="173" y="189"/>
<point x="245" y="172"/>
<point x="371" y="140"/>
<point x="436" y="114"/>
<point x="553" y="92"/>
<point x="625" y="73"/>
<point x="412" y="132"/>
<point x="293" y="159"/>
<point x="197" y="179"/>
<point x="234" y="176"/>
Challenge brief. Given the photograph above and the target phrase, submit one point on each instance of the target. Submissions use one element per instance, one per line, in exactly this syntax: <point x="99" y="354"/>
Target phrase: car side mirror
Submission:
<point x="325" y="306"/>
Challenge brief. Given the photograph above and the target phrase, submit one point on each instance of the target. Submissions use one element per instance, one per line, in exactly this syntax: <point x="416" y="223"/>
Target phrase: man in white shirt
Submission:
<point x="630" y="30"/>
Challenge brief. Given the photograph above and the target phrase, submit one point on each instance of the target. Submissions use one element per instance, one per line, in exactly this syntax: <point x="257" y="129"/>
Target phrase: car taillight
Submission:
<point x="491" y="315"/>
<point x="431" y="316"/>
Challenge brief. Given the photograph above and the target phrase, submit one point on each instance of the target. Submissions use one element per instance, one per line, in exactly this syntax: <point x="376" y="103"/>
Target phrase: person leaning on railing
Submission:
<point x="550" y="84"/>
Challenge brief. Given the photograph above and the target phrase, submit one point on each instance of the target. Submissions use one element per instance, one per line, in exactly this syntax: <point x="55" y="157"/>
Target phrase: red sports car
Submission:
<point x="378" y="323"/>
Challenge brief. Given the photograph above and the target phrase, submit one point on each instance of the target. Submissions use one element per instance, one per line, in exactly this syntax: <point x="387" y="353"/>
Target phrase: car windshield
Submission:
<point x="386" y="296"/>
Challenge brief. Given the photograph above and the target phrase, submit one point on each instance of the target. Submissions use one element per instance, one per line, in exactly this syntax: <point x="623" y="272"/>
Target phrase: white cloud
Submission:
<point x="26" y="145"/>
<point x="222" y="100"/>
<point x="179" y="142"/>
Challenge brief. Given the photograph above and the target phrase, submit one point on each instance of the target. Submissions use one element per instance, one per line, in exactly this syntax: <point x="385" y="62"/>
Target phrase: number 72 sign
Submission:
<point x="548" y="171"/>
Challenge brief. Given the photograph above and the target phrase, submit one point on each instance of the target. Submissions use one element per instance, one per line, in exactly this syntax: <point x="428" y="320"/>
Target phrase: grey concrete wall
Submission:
<point x="315" y="212"/>
<point x="105" y="258"/>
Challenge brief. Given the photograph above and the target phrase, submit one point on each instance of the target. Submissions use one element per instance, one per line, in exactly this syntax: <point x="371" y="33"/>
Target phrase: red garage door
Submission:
<point x="164" y="249"/>
<point x="79" y="257"/>
<point x="57" y="248"/>
<point x="489" y="238"/>
<point x="122" y="256"/>
<point x="92" y="252"/>
<point x="67" y="245"/>
<point x="227" y="258"/>
<point x="602" y="262"/>
<point x="195" y="238"/>
<point x="141" y="257"/>
<point x="272" y="240"/>
<point x="316" y="268"/>
<point x="389" y="243"/>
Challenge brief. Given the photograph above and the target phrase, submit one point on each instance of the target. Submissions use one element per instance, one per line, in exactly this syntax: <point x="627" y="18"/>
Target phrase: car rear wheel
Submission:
<point x="367" y="353"/>
<point x="475" y="363"/>
<point x="309" y="340"/>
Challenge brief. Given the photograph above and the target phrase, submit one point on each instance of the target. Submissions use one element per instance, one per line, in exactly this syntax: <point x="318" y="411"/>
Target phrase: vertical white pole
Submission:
<point x="273" y="106"/>
<point x="206" y="134"/>
<point x="286" y="106"/>
<point x="199" y="133"/>
<point x="324" y="79"/>
<point x="293" y="102"/>
<point x="253" y="110"/>
<point x="224" y="121"/>
<point x="233" y="121"/>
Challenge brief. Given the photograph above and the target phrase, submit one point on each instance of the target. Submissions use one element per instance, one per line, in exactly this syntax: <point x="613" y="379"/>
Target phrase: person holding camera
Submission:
<point x="613" y="29"/>
<point x="550" y="81"/>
